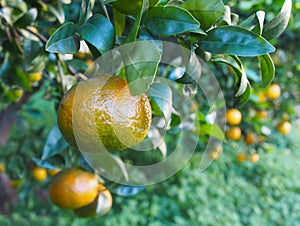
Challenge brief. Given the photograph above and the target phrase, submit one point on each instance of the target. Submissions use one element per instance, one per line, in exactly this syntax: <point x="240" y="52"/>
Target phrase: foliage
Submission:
<point x="228" y="193"/>
<point x="237" y="41"/>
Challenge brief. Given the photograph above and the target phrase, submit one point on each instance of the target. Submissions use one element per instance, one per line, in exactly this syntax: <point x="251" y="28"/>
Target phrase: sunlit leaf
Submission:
<point x="206" y="12"/>
<point x="99" y="32"/>
<point x="235" y="40"/>
<point x="276" y="26"/>
<point x="170" y="20"/>
<point x="63" y="40"/>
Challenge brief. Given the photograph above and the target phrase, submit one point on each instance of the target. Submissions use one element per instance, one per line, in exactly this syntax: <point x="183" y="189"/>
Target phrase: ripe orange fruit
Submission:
<point x="250" y="138"/>
<point x="39" y="173"/>
<point x="100" y="206"/>
<point x="241" y="157"/>
<point x="273" y="91"/>
<point x="53" y="172"/>
<point x="262" y="97"/>
<point x="254" y="158"/>
<point x="262" y="114"/>
<point x="121" y="120"/>
<point x="284" y="127"/>
<point x="73" y="188"/>
<point x="234" y="133"/>
<point x="233" y="116"/>
<point x="35" y="76"/>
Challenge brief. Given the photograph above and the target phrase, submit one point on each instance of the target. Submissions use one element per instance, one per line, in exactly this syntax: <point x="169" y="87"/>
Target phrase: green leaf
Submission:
<point x="241" y="77"/>
<point x="235" y="40"/>
<point x="267" y="69"/>
<point x="63" y="40"/>
<point x="58" y="12"/>
<point x="193" y="70"/>
<point x="162" y="95"/>
<point x="99" y="32"/>
<point x="22" y="79"/>
<point x="261" y="18"/>
<point x="276" y="26"/>
<point x="54" y="144"/>
<point x="83" y="14"/>
<point x="245" y="96"/>
<point x="131" y="37"/>
<point x="206" y="12"/>
<point x="27" y="19"/>
<point x="170" y="20"/>
<point x="141" y="61"/>
<point x="213" y="130"/>
<point x="119" y="22"/>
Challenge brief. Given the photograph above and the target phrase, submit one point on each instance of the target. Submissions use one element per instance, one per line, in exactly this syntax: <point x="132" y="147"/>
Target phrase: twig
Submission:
<point x="38" y="35"/>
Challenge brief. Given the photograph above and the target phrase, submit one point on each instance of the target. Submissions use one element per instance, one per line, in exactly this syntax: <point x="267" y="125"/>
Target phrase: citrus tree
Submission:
<point x="161" y="70"/>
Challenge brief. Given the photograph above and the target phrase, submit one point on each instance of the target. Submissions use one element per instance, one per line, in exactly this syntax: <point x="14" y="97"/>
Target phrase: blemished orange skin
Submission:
<point x="234" y="133"/>
<point x="122" y="120"/>
<point x="233" y="116"/>
<point x="73" y="188"/>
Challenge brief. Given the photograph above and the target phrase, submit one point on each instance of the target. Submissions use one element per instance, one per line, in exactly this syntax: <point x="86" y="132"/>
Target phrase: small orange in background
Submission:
<point x="215" y="152"/>
<point x="262" y="114"/>
<point x="34" y="77"/>
<point x="241" y="157"/>
<point x="73" y="188"/>
<point x="234" y="133"/>
<point x="284" y="127"/>
<point x="39" y="173"/>
<point x="273" y="91"/>
<point x="233" y="116"/>
<point x="100" y="206"/>
<point x="254" y="158"/>
<point x="250" y="138"/>
<point x="262" y="97"/>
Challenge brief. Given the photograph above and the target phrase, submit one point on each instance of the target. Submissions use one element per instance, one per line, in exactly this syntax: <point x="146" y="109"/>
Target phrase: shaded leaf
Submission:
<point x="206" y="12"/>
<point x="131" y="37"/>
<point x="267" y="69"/>
<point x="27" y="19"/>
<point x="162" y="95"/>
<point x="235" y="40"/>
<point x="170" y="20"/>
<point x="245" y="96"/>
<point x="63" y="40"/>
<point x="119" y="22"/>
<point x="54" y="143"/>
<point x="98" y="32"/>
